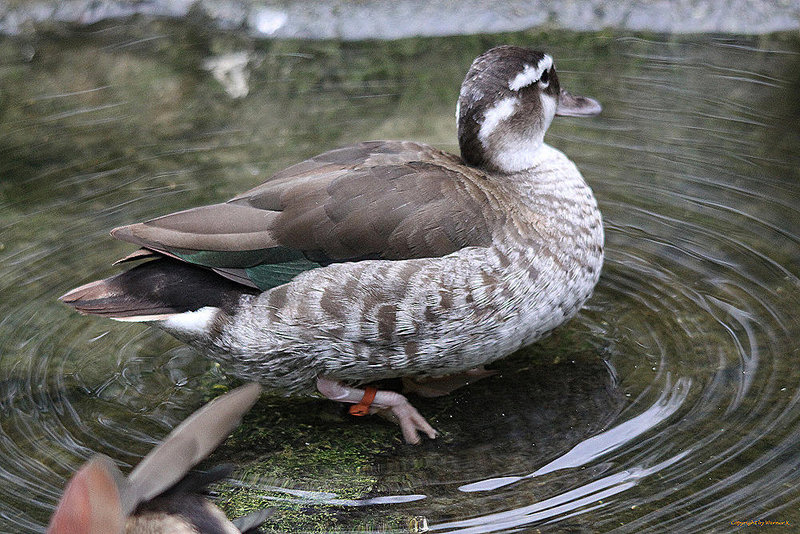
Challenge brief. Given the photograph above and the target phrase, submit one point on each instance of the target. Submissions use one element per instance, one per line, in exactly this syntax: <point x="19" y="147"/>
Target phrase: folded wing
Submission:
<point x="377" y="200"/>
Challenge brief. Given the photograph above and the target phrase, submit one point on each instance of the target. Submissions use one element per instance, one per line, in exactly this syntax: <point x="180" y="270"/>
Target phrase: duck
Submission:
<point x="160" y="495"/>
<point x="383" y="259"/>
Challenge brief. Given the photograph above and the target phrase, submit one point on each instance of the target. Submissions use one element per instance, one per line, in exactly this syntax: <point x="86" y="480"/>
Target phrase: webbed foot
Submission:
<point x="389" y="404"/>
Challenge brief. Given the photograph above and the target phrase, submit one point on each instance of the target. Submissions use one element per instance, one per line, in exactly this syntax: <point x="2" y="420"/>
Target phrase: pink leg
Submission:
<point x="399" y="409"/>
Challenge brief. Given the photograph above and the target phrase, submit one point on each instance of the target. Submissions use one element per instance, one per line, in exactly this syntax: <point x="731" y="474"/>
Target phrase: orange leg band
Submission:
<point x="362" y="408"/>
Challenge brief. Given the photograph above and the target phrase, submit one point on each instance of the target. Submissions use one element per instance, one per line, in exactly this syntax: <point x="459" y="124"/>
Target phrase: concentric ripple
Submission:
<point x="670" y="404"/>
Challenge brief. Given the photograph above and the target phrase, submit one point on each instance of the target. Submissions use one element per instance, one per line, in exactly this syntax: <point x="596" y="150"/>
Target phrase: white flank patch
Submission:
<point x="193" y="322"/>
<point x="495" y="115"/>
<point x="530" y="74"/>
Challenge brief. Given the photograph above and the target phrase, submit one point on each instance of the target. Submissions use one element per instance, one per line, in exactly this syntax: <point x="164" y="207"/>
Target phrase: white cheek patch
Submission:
<point x="495" y="115"/>
<point x="530" y="74"/>
<point x="549" y="105"/>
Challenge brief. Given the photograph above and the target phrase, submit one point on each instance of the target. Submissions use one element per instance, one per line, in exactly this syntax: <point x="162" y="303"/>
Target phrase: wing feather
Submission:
<point x="189" y="443"/>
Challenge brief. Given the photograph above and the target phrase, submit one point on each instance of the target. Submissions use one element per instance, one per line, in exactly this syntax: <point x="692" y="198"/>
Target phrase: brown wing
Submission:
<point x="376" y="200"/>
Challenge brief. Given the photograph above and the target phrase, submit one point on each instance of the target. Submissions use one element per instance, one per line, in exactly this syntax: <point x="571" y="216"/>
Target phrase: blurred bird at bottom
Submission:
<point x="160" y="495"/>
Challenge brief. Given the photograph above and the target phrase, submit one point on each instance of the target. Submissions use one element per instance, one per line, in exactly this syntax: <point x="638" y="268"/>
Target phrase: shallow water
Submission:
<point x="671" y="403"/>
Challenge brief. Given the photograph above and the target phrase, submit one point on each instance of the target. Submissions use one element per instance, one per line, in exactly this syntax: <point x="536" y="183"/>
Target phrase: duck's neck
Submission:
<point x="506" y="154"/>
<point x="551" y="175"/>
<point x="495" y="143"/>
<point x="519" y="157"/>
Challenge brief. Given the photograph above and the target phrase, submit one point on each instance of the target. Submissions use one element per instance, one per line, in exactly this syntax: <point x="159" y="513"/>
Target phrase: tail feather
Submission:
<point x="104" y="298"/>
<point x="155" y="290"/>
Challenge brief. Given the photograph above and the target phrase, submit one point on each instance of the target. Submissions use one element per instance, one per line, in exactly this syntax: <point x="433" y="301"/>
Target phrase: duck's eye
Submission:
<point x="545" y="77"/>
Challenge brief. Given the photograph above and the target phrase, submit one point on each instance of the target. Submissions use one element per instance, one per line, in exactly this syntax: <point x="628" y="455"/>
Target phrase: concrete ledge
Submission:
<point x="392" y="19"/>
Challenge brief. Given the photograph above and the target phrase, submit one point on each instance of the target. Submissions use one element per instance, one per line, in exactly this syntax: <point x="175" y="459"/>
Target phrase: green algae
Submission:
<point x="310" y="446"/>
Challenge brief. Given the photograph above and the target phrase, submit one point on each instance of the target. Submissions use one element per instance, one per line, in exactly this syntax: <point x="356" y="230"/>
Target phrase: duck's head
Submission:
<point x="507" y="101"/>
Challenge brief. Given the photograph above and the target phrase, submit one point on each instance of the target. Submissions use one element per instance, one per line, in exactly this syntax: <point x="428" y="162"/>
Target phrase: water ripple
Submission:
<point x="671" y="403"/>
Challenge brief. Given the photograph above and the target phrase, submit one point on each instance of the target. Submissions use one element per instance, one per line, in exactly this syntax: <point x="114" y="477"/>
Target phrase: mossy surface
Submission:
<point x="309" y="460"/>
<point x="300" y="457"/>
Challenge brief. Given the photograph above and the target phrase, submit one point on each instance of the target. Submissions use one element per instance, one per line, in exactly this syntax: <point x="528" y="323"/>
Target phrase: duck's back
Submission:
<point x="376" y="260"/>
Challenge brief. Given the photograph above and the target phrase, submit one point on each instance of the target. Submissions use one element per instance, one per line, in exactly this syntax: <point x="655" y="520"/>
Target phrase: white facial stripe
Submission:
<point x="530" y="74"/>
<point x="495" y="115"/>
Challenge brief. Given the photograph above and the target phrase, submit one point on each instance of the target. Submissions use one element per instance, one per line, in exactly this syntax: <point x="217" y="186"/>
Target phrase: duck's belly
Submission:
<point x="380" y="319"/>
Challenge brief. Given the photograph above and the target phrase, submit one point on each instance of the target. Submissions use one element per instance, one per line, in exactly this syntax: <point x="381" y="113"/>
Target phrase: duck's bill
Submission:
<point x="570" y="105"/>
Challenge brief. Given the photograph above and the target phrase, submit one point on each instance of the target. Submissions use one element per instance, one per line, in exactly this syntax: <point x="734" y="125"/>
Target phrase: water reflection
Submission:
<point x="323" y="497"/>
<point x="671" y="402"/>
<point x="563" y="505"/>
<point x="595" y="447"/>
